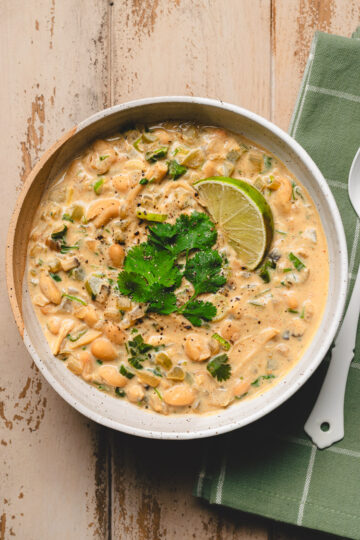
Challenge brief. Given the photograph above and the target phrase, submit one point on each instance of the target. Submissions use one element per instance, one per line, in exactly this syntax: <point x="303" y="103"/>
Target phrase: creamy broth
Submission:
<point x="85" y="230"/>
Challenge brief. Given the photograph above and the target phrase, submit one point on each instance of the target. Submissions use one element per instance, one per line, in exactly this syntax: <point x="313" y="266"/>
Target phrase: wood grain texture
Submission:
<point x="152" y="495"/>
<point x="61" y="61"/>
<point x="53" y="461"/>
<point x="293" y="25"/>
<point x="192" y="47"/>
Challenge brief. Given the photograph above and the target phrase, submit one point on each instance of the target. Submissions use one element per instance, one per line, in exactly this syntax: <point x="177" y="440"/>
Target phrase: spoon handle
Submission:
<point x="325" y="424"/>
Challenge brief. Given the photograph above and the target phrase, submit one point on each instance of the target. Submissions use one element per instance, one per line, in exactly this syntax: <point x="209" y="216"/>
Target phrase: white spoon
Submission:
<point x="325" y="424"/>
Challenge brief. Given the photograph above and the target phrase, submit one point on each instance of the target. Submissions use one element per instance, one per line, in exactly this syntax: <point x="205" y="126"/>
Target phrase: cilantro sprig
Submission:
<point x="203" y="271"/>
<point x="196" y="231"/>
<point x="152" y="272"/>
<point x="219" y="368"/>
<point x="150" y="276"/>
<point x="197" y="311"/>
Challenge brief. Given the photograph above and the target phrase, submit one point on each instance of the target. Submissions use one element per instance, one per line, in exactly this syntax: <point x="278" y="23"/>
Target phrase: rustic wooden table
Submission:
<point x="62" y="476"/>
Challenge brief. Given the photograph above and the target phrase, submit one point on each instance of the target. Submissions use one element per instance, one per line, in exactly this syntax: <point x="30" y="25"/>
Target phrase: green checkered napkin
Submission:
<point x="271" y="468"/>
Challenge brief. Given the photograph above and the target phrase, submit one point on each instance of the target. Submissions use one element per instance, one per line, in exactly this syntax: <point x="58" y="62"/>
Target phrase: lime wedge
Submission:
<point x="242" y="214"/>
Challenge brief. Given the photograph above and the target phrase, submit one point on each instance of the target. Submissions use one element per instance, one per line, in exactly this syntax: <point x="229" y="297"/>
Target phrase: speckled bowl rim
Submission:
<point x="287" y="389"/>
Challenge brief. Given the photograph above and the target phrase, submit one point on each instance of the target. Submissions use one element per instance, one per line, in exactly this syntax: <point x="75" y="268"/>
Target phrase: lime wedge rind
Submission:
<point x="243" y="215"/>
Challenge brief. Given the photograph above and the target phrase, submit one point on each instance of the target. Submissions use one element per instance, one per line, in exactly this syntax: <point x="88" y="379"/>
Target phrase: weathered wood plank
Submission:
<point x="193" y="48"/>
<point x="53" y="461"/>
<point x="152" y="495"/>
<point x="293" y="25"/>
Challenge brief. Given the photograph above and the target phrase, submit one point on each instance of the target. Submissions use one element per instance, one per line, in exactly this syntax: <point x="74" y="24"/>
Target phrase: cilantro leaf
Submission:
<point x="125" y="372"/>
<point x="175" y="169"/>
<point x="138" y="345"/>
<point x="65" y="248"/>
<point x="136" y="362"/>
<point x="196" y="311"/>
<point x="59" y="234"/>
<point x="164" y="302"/>
<point x="264" y="271"/>
<point x="262" y="377"/>
<point x="203" y="271"/>
<point x="155" y="266"/>
<point x="150" y="275"/>
<point x="138" y="350"/>
<point x="219" y="368"/>
<point x="55" y="276"/>
<point x="188" y="232"/>
<point x="133" y="285"/>
<point x="163" y="235"/>
<point x="299" y="265"/>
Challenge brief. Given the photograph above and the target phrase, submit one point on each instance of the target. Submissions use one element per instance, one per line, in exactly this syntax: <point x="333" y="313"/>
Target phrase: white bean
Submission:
<point x="111" y="376"/>
<point x="49" y="289"/>
<point x="116" y="254"/>
<point x="103" y="350"/>
<point x="179" y="395"/>
<point x="197" y="347"/>
<point x="114" y="333"/>
<point x="135" y="393"/>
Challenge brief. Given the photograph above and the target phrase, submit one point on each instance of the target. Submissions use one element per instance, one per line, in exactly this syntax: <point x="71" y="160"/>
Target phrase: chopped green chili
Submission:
<point x="148" y="216"/>
<point x="67" y="217"/>
<point x="155" y="155"/>
<point x="75" y="338"/>
<point x="74" y="298"/>
<point x="158" y="393"/>
<point x="98" y="185"/>
<point x="223" y="343"/>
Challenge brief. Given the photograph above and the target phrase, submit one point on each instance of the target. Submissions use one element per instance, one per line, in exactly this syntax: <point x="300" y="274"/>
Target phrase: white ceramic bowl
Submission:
<point x="119" y="414"/>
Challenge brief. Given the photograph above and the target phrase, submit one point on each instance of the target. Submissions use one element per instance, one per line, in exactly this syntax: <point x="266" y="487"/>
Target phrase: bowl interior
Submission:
<point x="117" y="413"/>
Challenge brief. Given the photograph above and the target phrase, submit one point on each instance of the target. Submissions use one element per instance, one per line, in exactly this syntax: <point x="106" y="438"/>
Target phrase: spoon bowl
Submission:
<point x="354" y="183"/>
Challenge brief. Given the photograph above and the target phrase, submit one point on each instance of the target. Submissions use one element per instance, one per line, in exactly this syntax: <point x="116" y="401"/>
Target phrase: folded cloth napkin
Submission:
<point x="271" y="468"/>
